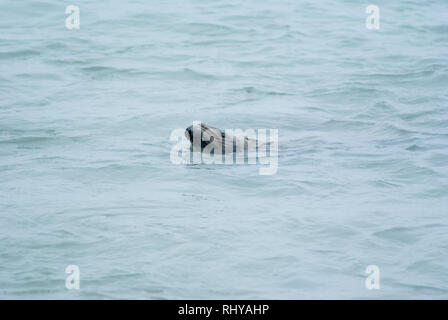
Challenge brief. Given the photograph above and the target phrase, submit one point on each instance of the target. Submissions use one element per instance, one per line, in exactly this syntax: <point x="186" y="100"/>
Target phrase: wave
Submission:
<point x="19" y="54"/>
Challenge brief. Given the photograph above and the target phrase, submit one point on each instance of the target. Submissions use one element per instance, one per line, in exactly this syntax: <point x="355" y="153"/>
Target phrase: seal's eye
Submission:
<point x="205" y="142"/>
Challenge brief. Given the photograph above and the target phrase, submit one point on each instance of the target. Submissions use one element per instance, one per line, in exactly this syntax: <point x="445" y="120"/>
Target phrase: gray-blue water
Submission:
<point x="85" y="170"/>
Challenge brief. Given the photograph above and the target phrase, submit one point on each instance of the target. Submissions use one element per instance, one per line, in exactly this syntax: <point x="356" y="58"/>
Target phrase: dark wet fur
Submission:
<point x="206" y="143"/>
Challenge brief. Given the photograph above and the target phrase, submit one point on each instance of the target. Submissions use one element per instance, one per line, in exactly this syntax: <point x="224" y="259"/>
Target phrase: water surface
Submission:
<point x="85" y="171"/>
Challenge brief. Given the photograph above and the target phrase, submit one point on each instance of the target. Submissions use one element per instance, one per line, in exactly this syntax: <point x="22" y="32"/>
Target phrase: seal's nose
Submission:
<point x="189" y="131"/>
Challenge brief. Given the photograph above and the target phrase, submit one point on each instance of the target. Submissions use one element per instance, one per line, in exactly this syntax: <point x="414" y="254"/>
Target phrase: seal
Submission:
<point x="205" y="136"/>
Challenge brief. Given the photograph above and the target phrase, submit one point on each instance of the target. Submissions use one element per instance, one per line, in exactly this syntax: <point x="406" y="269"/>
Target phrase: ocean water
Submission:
<point x="85" y="171"/>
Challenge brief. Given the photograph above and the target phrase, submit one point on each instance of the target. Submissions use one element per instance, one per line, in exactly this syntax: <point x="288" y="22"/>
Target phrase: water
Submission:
<point x="85" y="171"/>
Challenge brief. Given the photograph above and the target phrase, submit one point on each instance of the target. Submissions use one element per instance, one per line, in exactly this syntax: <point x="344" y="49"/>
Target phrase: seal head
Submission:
<point x="202" y="135"/>
<point x="205" y="135"/>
